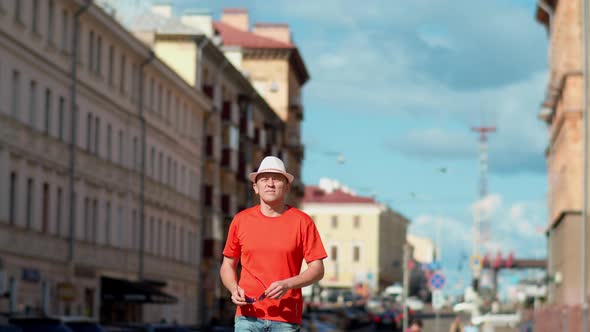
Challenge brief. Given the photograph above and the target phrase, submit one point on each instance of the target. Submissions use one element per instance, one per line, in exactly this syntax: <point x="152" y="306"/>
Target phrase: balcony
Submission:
<point x="226" y="205"/>
<point x="208" y="90"/>
<point x="209" y="147"/>
<point x="226" y="112"/>
<point x="208" y="196"/>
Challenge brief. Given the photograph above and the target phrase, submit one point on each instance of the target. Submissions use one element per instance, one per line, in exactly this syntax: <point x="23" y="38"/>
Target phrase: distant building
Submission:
<point x="423" y="249"/>
<point x="562" y="111"/>
<point x="363" y="238"/>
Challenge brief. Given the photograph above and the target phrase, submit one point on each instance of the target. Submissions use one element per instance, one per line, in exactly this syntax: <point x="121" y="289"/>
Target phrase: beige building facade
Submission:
<point x="562" y="111"/>
<point x="364" y="239"/>
<point x="423" y="249"/>
<point x="128" y="160"/>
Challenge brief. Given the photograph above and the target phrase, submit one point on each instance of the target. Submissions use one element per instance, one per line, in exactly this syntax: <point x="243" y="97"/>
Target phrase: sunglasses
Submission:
<point x="262" y="296"/>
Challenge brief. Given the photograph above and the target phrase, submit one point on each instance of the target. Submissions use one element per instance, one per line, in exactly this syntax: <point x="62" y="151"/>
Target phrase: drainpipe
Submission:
<point x="585" y="145"/>
<point x="150" y="58"/>
<point x="73" y="132"/>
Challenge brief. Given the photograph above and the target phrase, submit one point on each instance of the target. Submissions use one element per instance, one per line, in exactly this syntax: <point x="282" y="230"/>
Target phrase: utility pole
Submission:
<point x="406" y="253"/>
<point x="481" y="224"/>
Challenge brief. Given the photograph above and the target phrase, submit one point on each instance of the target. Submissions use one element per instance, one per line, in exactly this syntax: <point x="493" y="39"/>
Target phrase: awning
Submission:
<point x="121" y="290"/>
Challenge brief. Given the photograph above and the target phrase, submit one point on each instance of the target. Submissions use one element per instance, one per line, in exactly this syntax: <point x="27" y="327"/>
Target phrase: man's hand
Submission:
<point x="238" y="297"/>
<point x="277" y="289"/>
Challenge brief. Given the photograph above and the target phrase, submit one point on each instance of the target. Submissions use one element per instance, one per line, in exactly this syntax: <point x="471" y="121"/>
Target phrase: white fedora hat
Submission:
<point x="271" y="164"/>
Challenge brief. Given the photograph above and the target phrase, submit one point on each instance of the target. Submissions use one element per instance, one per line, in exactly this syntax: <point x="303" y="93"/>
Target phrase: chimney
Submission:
<point x="162" y="8"/>
<point x="276" y="31"/>
<point x="237" y="18"/>
<point x="199" y="19"/>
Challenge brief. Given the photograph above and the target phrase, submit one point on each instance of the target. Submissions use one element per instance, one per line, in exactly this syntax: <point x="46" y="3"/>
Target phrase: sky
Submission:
<point x="396" y="87"/>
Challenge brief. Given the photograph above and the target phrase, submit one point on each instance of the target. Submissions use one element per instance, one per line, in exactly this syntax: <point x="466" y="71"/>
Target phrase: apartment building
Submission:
<point x="270" y="59"/>
<point x="100" y="169"/>
<point x="364" y="238"/>
<point x="239" y="132"/>
<point x="562" y="111"/>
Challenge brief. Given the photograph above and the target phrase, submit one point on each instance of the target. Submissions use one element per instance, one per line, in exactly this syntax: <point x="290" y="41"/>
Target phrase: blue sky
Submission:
<point x="396" y="86"/>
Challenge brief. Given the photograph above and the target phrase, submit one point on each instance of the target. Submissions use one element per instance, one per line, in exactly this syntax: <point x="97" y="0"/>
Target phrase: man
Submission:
<point x="271" y="240"/>
<point x="415" y="326"/>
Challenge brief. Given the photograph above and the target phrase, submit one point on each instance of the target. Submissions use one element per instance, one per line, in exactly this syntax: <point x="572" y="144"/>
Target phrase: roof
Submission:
<point x="314" y="194"/>
<point x="235" y="37"/>
<point x="149" y="21"/>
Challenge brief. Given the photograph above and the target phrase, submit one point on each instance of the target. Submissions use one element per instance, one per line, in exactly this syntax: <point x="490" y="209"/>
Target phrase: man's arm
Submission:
<point x="229" y="276"/>
<point x="313" y="274"/>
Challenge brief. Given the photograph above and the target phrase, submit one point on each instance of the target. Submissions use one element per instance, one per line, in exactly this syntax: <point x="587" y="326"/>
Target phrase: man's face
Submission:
<point x="271" y="187"/>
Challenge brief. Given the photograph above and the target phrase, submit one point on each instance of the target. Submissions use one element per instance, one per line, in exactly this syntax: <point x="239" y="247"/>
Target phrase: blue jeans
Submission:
<point x="253" y="324"/>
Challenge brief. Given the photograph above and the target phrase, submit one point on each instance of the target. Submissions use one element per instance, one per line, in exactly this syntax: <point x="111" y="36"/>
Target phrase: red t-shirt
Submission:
<point x="272" y="249"/>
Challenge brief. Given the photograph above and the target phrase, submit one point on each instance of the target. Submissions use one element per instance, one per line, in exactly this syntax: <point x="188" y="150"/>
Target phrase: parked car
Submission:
<point x="82" y="324"/>
<point x="39" y="324"/>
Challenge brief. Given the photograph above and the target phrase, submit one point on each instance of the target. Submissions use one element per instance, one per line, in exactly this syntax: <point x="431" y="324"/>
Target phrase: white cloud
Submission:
<point x="487" y="207"/>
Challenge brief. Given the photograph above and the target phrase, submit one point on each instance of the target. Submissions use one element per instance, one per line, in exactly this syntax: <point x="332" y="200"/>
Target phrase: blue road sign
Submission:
<point x="437" y="280"/>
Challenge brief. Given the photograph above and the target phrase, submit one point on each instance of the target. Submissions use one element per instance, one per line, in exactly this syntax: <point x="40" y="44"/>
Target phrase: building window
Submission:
<point x="356" y="254"/>
<point x="107" y="226"/>
<point x="160" y="167"/>
<point x="58" y="212"/>
<point x="121" y="147"/>
<point x="13" y="198"/>
<point x="151" y="244"/>
<point x="159" y="240"/>
<point x="167" y="109"/>
<point x="133" y="82"/>
<point x="159" y="96"/>
<point x="356" y="221"/>
<point x="111" y="64"/>
<point x="135" y="152"/>
<point x="30" y="202"/>
<point x="121" y="228"/>
<point x="133" y="229"/>
<point x="152" y="161"/>
<point x="45" y="209"/>
<point x="89" y="132"/>
<point x="334" y="221"/>
<point x="48" y="114"/>
<point x="35" y="16"/>
<point x="18" y="12"/>
<point x="169" y="171"/>
<point x="91" y="50"/>
<point x="95" y="221"/>
<point x="50" y="20"/>
<point x="15" y="93"/>
<point x="98" y="60"/>
<point x="64" y="31"/>
<point x="97" y="136"/>
<point x="62" y="106"/>
<point x="87" y="219"/>
<point x="32" y="103"/>
<point x="122" y="86"/>
<point x="334" y="253"/>
<point x="109" y="142"/>
<point x="152" y="94"/>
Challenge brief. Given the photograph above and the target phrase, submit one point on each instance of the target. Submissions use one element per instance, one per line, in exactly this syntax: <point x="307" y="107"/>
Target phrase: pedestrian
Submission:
<point x="457" y="325"/>
<point x="271" y="240"/>
<point x="415" y="325"/>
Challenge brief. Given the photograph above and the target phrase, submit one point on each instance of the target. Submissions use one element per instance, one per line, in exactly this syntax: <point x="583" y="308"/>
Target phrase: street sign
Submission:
<point x="437" y="280"/>
<point x="438" y="299"/>
<point x="476" y="263"/>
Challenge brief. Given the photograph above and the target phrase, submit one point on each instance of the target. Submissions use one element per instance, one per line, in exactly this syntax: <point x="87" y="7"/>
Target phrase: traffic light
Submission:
<point x="475" y="284"/>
